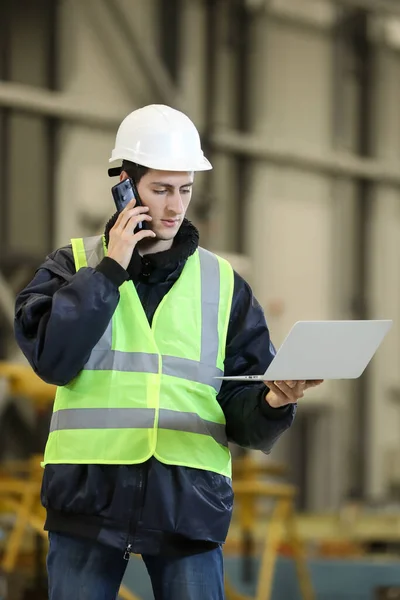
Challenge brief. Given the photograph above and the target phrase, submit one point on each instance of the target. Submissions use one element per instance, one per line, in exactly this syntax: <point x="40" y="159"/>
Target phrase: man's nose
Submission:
<point x="175" y="203"/>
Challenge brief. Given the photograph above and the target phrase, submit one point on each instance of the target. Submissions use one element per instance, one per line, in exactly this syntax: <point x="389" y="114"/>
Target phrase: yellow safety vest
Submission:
<point x="151" y="391"/>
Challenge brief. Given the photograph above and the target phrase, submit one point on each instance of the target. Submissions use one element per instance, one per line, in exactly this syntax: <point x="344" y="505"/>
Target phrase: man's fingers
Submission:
<point x="292" y="393"/>
<point x="134" y="220"/>
<point x="299" y="389"/>
<point x="126" y="215"/>
<point x="275" y="389"/>
<point x="141" y="235"/>
<point x="313" y="383"/>
<point x="129" y="206"/>
<point x="284" y="387"/>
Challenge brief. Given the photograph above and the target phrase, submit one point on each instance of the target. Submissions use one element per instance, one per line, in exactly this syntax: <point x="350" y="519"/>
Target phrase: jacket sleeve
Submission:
<point x="250" y="421"/>
<point x="61" y="314"/>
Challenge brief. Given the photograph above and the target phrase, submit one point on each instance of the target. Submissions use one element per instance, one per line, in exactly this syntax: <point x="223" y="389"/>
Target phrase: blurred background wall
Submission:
<point x="298" y="103"/>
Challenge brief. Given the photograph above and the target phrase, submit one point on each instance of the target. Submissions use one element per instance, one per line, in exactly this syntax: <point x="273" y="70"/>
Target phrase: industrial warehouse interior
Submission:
<point x="297" y="104"/>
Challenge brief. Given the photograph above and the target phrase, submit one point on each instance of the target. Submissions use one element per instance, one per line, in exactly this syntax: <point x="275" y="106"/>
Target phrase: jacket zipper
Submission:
<point x="127" y="552"/>
<point x="139" y="489"/>
<point x="135" y="512"/>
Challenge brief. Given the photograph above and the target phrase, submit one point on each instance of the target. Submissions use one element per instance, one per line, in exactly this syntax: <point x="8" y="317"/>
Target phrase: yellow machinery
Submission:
<point x="249" y="487"/>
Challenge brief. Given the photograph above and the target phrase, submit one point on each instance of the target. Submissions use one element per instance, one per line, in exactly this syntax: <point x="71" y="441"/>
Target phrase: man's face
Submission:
<point x="167" y="194"/>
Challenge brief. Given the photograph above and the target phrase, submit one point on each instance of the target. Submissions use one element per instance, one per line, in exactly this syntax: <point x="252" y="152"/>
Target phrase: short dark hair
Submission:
<point x="134" y="170"/>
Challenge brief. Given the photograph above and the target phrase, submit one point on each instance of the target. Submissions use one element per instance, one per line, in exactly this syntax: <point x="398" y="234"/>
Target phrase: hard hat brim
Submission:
<point x="203" y="164"/>
<point x="114" y="171"/>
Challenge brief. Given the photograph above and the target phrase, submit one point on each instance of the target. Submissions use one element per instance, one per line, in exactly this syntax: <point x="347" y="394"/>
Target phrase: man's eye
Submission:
<point x="160" y="191"/>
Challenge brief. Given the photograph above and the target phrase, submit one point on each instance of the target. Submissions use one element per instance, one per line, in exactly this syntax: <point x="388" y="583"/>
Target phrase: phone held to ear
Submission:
<point x="123" y="193"/>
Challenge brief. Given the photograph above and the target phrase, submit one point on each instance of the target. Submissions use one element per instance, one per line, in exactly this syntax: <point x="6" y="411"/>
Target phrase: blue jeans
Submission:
<point x="81" y="569"/>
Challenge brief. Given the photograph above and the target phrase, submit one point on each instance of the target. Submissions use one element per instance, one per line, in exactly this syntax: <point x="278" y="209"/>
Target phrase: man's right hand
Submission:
<point x="122" y="240"/>
<point x="282" y="393"/>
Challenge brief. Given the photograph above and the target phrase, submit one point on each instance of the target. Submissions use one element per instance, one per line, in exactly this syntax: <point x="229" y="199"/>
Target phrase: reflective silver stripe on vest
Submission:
<point x="136" y="418"/>
<point x="191" y="370"/>
<point x="141" y="362"/>
<point x="94" y="250"/>
<point x="102" y="418"/>
<point x="191" y="423"/>
<point x="105" y="359"/>
<point x="210" y="284"/>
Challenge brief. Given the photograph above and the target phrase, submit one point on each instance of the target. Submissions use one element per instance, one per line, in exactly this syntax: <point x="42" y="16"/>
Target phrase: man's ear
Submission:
<point x="123" y="175"/>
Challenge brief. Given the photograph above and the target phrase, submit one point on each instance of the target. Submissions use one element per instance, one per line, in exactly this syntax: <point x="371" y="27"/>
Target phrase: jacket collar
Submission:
<point x="161" y="266"/>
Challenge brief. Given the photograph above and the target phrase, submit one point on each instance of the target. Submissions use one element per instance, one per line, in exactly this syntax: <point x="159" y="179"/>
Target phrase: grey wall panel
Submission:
<point x="28" y="216"/>
<point x="29" y="36"/>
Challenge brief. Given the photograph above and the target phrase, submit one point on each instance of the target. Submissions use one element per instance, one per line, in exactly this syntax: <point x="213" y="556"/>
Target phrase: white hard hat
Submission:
<point x="160" y="137"/>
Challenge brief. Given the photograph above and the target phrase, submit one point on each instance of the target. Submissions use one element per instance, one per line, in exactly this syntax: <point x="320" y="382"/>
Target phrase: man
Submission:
<point x="135" y="329"/>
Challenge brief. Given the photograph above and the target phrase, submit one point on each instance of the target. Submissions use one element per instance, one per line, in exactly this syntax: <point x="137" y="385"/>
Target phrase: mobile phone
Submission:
<point x="123" y="193"/>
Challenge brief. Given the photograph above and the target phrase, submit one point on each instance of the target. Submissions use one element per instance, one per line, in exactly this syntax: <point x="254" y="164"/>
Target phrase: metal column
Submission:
<point x="5" y="8"/>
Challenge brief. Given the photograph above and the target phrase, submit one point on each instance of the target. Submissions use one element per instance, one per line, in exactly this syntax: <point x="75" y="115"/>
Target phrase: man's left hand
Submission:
<point x="282" y="393"/>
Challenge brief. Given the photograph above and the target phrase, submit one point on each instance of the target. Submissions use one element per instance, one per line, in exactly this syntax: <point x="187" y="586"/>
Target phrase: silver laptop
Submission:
<point x="324" y="350"/>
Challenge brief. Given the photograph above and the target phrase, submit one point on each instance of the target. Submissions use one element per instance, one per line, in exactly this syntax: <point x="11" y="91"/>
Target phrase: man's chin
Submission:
<point x="166" y="236"/>
<point x="167" y="233"/>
